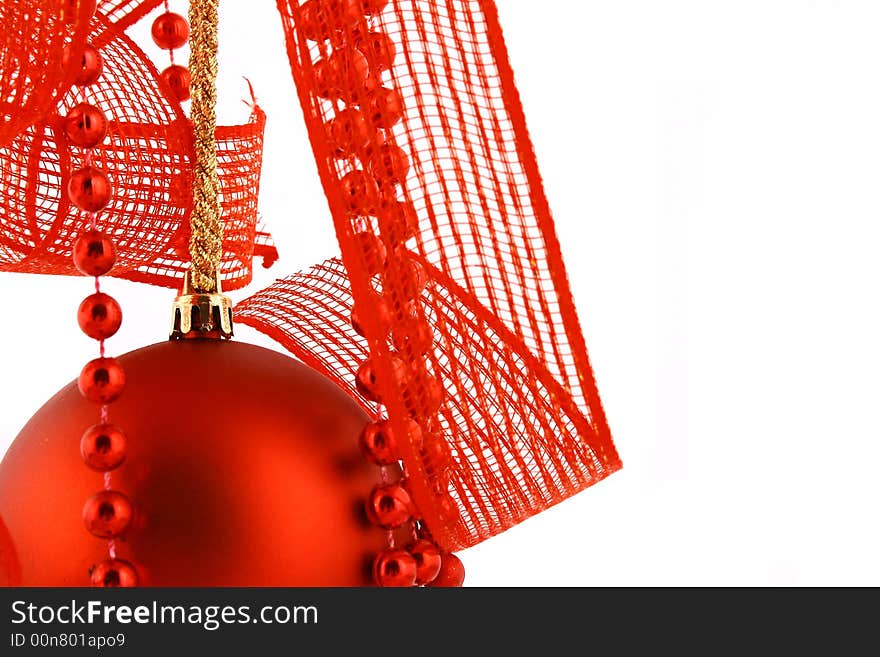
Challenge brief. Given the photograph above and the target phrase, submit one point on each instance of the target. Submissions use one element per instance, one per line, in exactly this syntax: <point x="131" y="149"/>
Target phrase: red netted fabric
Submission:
<point x="148" y="155"/>
<point x="424" y="156"/>
<point x="32" y="45"/>
<point x="123" y="13"/>
<point x="514" y="431"/>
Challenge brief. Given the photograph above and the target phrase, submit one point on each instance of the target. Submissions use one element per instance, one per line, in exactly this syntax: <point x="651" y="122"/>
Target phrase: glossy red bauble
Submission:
<point x="395" y="568"/>
<point x="112" y="573"/>
<point x="170" y="31"/>
<point x="99" y="316"/>
<point x="89" y="189"/>
<point x="85" y="125"/>
<point x="178" y="79"/>
<point x="242" y="467"/>
<point x="94" y="253"/>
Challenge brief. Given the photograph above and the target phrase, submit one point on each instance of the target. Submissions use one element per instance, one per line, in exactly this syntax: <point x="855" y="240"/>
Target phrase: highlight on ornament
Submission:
<point x="437" y="389"/>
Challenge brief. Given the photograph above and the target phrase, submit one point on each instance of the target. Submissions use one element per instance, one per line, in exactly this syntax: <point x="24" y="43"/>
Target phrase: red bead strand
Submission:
<point x="108" y="513"/>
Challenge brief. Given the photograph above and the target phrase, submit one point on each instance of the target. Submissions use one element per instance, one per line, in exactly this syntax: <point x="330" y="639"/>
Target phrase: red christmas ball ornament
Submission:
<point x="394" y="567"/>
<point x="389" y="506"/>
<point x="428" y="560"/>
<point x="99" y="316"/>
<point x="102" y="380"/>
<point x="94" y="253"/>
<point x="113" y="573"/>
<point x="170" y="31"/>
<point x="178" y="79"/>
<point x="102" y="447"/>
<point x="451" y="573"/>
<point x="85" y="125"/>
<point x="242" y="465"/>
<point x="89" y="189"/>
<point x="107" y="514"/>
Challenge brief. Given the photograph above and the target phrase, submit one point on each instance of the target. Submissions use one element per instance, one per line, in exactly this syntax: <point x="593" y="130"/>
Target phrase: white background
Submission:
<point x="713" y="169"/>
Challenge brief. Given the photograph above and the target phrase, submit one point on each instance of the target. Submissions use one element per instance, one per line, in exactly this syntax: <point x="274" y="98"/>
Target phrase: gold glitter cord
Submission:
<point x="206" y="240"/>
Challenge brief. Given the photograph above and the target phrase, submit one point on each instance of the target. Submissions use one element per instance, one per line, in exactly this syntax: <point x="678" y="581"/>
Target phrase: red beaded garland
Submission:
<point x="366" y="380"/>
<point x="85" y="125"/>
<point x="99" y="316"/>
<point x="323" y="19"/>
<point x="89" y="189"/>
<point x="178" y="79"/>
<point x="102" y="380"/>
<point x="107" y="514"/>
<point x="414" y="336"/>
<point x="451" y="573"/>
<point x="103" y="447"/>
<point x="170" y="31"/>
<point x="398" y="221"/>
<point x="381" y="311"/>
<point x="374" y="7"/>
<point x="94" y="253"/>
<point x="395" y="567"/>
<point x="113" y="573"/>
<point x="389" y="506"/>
<point x="428" y="560"/>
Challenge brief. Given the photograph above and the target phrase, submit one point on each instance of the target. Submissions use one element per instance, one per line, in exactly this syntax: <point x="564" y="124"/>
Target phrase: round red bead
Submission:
<point x="85" y="125"/>
<point x="451" y="573"/>
<point x="413" y="336"/>
<point x="359" y="192"/>
<point x="89" y="189"/>
<point x="389" y="164"/>
<point x="88" y="67"/>
<point x="377" y="443"/>
<point x="378" y="48"/>
<point x="372" y="250"/>
<point x="380" y="310"/>
<point x="102" y="380"/>
<point x="389" y="506"/>
<point x="103" y="447"/>
<point x="107" y="514"/>
<point x="384" y="107"/>
<point x="113" y="573"/>
<point x="398" y="221"/>
<point x="99" y="316"/>
<point x="177" y="78"/>
<point x="395" y="567"/>
<point x="428" y="560"/>
<point x="348" y="132"/>
<point x="320" y="20"/>
<point x="435" y="452"/>
<point x="71" y="10"/>
<point x="374" y="7"/>
<point x="170" y="31"/>
<point x="94" y="253"/>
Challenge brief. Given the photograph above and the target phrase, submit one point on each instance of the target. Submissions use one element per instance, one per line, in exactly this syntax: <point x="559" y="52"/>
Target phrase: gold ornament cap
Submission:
<point x="206" y="315"/>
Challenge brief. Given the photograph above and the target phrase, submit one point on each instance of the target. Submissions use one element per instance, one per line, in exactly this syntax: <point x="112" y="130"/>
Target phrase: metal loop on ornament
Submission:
<point x="201" y="315"/>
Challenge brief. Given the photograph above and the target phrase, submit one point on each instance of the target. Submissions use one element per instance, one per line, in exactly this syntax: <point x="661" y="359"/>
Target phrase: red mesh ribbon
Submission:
<point x="148" y="155"/>
<point x="32" y="45"/>
<point x="522" y="415"/>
